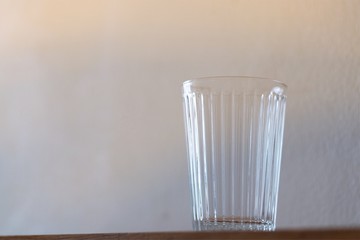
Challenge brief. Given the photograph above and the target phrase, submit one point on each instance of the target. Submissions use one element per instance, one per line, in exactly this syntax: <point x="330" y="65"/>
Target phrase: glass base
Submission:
<point x="233" y="225"/>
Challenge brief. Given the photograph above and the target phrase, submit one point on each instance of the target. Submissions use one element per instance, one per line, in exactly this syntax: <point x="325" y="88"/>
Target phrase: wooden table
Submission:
<point x="288" y="234"/>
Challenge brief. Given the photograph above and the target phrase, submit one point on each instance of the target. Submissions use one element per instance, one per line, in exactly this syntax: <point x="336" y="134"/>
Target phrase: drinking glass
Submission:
<point x="234" y="131"/>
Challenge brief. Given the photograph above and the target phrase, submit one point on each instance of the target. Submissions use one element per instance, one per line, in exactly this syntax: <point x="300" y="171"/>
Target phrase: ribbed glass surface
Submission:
<point x="234" y="129"/>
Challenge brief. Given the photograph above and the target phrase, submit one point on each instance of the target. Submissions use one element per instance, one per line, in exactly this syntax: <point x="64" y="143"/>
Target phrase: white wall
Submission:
<point x="91" y="123"/>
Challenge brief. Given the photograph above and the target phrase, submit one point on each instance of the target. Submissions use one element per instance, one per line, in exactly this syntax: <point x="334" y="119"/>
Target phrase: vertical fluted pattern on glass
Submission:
<point x="234" y="145"/>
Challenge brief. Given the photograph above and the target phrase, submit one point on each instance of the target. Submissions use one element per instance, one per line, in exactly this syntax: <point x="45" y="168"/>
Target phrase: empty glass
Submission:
<point x="234" y="132"/>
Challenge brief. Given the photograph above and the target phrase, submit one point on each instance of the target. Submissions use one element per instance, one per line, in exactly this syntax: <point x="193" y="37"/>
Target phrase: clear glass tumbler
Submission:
<point x="234" y="131"/>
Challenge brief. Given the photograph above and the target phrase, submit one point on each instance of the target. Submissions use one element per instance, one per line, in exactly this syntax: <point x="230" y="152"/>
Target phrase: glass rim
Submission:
<point x="236" y="78"/>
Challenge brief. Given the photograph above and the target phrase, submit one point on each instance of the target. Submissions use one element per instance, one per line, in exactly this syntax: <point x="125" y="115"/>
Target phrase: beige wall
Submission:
<point x="91" y="124"/>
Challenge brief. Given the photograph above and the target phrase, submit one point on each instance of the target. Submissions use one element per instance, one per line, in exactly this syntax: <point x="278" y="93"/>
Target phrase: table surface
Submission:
<point x="287" y="234"/>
